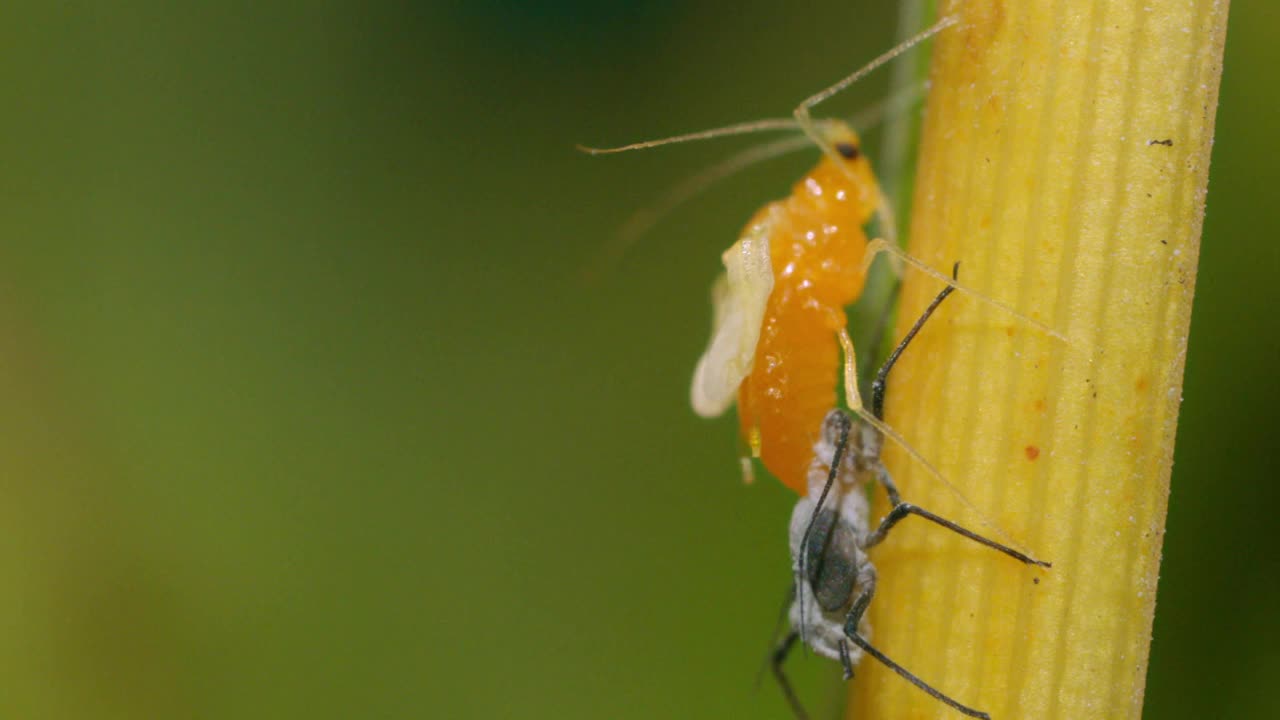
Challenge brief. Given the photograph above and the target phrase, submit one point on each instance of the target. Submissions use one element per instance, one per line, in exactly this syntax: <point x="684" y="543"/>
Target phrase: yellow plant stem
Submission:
<point x="1064" y="162"/>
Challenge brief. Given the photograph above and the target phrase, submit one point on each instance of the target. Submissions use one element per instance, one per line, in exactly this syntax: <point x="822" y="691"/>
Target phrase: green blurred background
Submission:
<point x="307" y="413"/>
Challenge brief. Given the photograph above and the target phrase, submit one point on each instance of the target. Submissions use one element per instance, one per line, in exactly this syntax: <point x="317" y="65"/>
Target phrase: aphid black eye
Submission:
<point x="847" y="150"/>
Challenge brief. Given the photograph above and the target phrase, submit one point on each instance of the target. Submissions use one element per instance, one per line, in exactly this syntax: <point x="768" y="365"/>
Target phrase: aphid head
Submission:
<point x="861" y="450"/>
<point x="847" y="170"/>
<point x="835" y="426"/>
<point x="843" y="140"/>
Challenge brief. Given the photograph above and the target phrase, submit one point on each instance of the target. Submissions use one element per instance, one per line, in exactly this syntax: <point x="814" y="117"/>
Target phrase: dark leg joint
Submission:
<point x="902" y="672"/>
<point x="780" y="656"/>
<point x="846" y="662"/>
<point x="878" y="385"/>
<point x="904" y="509"/>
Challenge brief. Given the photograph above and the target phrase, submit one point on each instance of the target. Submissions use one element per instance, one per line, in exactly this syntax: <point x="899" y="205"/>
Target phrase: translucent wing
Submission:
<point x="738" y="299"/>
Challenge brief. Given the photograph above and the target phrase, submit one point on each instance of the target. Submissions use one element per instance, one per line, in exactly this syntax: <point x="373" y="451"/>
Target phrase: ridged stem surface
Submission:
<point x="1064" y="162"/>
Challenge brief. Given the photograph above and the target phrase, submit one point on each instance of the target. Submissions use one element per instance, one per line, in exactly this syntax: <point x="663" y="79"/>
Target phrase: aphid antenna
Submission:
<point x="890" y="245"/>
<point x="801" y="119"/>
<point x="801" y="571"/>
<point x="742" y="128"/>
<point x="644" y="219"/>
<point x="853" y="77"/>
<point x="804" y="118"/>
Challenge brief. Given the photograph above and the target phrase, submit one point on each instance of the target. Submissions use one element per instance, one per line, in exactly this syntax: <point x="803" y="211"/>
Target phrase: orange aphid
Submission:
<point x="780" y="309"/>
<point x="779" y="332"/>
<point x="779" y="329"/>
<point x="817" y="248"/>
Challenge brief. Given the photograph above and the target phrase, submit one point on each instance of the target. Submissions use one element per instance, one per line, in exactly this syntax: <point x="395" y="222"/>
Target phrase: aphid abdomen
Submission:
<point x="835" y="568"/>
<point x="831" y="561"/>
<point x="790" y="389"/>
<point x="816" y="249"/>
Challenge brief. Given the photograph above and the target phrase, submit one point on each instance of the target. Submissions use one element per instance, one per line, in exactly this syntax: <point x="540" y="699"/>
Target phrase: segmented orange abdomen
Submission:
<point x="817" y="250"/>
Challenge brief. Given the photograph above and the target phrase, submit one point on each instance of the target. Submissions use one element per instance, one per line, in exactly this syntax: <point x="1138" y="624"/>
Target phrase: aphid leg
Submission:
<point x="854" y="618"/>
<point x="867" y="581"/>
<point x="852" y="397"/>
<point x="875" y="420"/>
<point x="776" y="660"/>
<point x="880" y="245"/>
<point x="878" y="386"/>
<point x="902" y="509"/>
<point x="846" y="662"/>
<point x="777" y="628"/>
<point x="882" y="376"/>
<point x="889" y="224"/>
<point x="933" y="472"/>
<point x="891" y="488"/>
<point x="882" y="325"/>
<point x="905" y="674"/>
